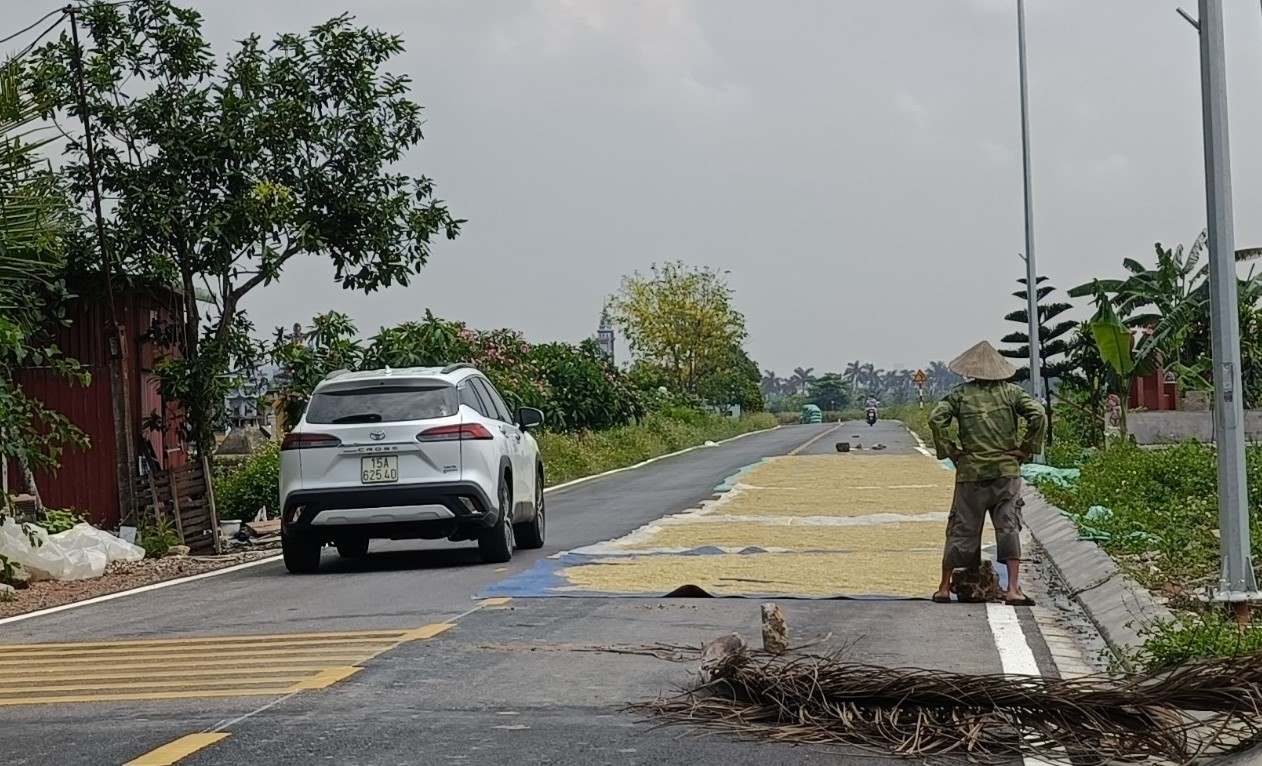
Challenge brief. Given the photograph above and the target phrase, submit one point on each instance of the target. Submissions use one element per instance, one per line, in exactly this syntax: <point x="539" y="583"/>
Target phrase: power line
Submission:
<point x="31" y="45"/>
<point x="62" y="10"/>
<point x="36" y="23"/>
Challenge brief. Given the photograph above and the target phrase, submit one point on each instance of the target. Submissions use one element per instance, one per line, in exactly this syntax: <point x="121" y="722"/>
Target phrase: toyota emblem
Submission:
<point x="376" y="435"/>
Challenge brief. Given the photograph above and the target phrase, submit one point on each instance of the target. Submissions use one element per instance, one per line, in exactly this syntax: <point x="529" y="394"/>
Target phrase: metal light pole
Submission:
<point x="1031" y="282"/>
<point x="1236" y="584"/>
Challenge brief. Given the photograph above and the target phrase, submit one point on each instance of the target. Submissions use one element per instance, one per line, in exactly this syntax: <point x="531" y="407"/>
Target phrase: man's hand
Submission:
<point x="1021" y="455"/>
<point x="956" y="456"/>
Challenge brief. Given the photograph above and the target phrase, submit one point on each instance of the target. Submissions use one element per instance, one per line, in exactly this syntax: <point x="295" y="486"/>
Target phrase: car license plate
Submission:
<point x="379" y="469"/>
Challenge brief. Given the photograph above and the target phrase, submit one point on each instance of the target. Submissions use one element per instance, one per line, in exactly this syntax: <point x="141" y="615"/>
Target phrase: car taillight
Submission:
<point x="458" y="432"/>
<point x="309" y="441"/>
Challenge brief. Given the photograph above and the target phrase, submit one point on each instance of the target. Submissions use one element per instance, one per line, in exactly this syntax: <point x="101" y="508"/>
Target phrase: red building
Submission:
<point x="89" y="480"/>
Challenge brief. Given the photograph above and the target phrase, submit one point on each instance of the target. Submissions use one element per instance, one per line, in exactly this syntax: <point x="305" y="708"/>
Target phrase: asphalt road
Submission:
<point x="506" y="683"/>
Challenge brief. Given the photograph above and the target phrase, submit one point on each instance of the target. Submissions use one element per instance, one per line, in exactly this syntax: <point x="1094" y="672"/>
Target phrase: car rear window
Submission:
<point x="382" y="404"/>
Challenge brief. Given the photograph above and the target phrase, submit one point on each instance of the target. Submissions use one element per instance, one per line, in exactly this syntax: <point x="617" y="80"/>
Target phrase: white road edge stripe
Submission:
<point x="643" y="463"/>
<point x="269" y="559"/>
<point x="1015" y="655"/>
<point x="141" y="589"/>
<point x="920" y="443"/>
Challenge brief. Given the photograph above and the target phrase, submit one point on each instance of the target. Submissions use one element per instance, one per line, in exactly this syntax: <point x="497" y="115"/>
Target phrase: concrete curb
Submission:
<point x="1117" y="605"/>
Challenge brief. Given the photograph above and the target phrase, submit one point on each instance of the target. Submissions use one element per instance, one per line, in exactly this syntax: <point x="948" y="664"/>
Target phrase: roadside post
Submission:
<point x="1031" y="286"/>
<point x="919" y="379"/>
<point x="1237" y="584"/>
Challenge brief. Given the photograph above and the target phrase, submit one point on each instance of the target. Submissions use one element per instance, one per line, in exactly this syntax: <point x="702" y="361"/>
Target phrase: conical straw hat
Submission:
<point x="982" y="362"/>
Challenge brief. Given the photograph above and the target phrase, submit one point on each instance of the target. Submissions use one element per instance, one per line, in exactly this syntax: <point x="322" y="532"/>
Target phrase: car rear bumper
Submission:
<point x="398" y="511"/>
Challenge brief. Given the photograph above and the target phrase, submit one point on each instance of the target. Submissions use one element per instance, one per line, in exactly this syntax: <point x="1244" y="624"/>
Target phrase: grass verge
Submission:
<point x="569" y="456"/>
<point x="1155" y="511"/>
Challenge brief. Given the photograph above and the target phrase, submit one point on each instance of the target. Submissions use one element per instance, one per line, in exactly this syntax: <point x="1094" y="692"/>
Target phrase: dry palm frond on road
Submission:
<point x="1175" y="716"/>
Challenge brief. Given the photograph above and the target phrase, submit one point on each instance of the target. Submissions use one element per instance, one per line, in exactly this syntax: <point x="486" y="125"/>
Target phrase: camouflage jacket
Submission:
<point x="988" y="415"/>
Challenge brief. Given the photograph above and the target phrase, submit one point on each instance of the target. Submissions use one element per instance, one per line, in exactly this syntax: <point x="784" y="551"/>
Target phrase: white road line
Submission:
<point x="1015" y="655"/>
<point x="920" y="443"/>
<point x="584" y="479"/>
<point x="141" y="589"/>
<point x="269" y="559"/>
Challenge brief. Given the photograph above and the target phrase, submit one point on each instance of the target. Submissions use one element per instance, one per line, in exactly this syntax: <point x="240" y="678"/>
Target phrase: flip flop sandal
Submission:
<point x="1023" y="601"/>
<point x="941" y="599"/>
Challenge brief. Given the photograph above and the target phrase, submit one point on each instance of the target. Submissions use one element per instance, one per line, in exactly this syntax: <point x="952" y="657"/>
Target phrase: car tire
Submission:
<point x="530" y="534"/>
<point x="301" y="554"/>
<point x="497" y="542"/>
<point x="352" y="547"/>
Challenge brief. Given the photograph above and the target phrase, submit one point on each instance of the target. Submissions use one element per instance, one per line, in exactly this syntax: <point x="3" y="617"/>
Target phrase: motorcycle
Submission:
<point x="871" y="417"/>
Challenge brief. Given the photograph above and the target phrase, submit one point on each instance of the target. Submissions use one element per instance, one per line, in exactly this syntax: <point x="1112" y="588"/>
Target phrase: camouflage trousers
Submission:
<point x="1001" y="498"/>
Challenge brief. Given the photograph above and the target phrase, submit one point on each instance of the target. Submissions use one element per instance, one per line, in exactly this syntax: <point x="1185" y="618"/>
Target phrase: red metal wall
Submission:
<point x="87" y="480"/>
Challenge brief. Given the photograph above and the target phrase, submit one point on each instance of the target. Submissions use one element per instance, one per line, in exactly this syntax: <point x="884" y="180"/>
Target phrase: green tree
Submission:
<point x="224" y="170"/>
<point x="732" y="378"/>
<point x="802" y="379"/>
<point x="830" y="391"/>
<point x="305" y="358"/>
<point x="1053" y="343"/>
<point x="36" y="222"/>
<point x="853" y="376"/>
<point x="1168" y="303"/>
<point x="679" y="318"/>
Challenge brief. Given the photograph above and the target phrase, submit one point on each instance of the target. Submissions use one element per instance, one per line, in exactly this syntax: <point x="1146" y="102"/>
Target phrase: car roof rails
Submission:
<point x="457" y="366"/>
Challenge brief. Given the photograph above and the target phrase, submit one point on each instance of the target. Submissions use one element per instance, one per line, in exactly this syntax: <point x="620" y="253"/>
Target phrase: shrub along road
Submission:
<point x="410" y="668"/>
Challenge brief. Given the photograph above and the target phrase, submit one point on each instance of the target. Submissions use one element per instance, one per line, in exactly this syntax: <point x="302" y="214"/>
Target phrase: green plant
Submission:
<point x="1192" y="636"/>
<point x="680" y="319"/>
<point x="255" y="484"/>
<point x="266" y="154"/>
<point x="157" y="537"/>
<point x="55" y="520"/>
<point x="570" y="456"/>
<point x="35" y="224"/>
<point x="1156" y="511"/>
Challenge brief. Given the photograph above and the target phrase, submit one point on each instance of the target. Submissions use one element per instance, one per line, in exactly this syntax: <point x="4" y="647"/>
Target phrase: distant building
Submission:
<point x="604" y="335"/>
<point x="242" y="405"/>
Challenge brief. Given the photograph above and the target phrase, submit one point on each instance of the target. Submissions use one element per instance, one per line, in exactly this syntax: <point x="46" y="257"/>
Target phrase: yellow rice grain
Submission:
<point x="887" y="573"/>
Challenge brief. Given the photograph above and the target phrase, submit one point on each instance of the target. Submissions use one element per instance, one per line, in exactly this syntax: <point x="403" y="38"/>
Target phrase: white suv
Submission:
<point x="411" y="453"/>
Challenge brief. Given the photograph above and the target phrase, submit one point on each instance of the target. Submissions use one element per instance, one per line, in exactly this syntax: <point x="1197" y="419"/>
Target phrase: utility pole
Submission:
<point x="1237" y="584"/>
<point x="124" y="443"/>
<point x="1031" y="284"/>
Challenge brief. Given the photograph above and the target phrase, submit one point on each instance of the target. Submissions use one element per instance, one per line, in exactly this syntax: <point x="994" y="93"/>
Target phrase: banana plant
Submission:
<point x="1116" y="344"/>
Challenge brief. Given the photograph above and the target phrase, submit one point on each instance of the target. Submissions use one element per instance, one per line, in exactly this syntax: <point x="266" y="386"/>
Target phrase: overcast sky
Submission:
<point x="856" y="166"/>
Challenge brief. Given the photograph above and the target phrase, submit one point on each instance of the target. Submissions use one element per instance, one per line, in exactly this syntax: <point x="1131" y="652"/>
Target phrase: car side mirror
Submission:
<point x="529" y="417"/>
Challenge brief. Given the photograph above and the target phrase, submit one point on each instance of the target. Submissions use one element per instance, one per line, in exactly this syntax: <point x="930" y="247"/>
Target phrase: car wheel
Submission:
<point x="352" y="547"/>
<point x="496" y="543"/>
<point x="301" y="554"/>
<point x="530" y="534"/>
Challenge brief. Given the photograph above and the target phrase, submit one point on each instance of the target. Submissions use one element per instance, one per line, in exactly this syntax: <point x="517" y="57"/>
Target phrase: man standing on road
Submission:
<point x="987" y="457"/>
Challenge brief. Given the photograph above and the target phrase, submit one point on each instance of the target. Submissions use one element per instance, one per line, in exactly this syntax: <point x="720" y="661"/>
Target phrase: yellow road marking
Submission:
<point x="231" y="639"/>
<point x="427" y="631"/>
<point x="273" y="691"/>
<point x="173" y="751"/>
<point x="326" y="677"/>
<point x="496" y="601"/>
<point x="185" y="662"/>
<point x="191" y="668"/>
<point x="245" y="647"/>
<point x="168" y="684"/>
<point x="228" y="653"/>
